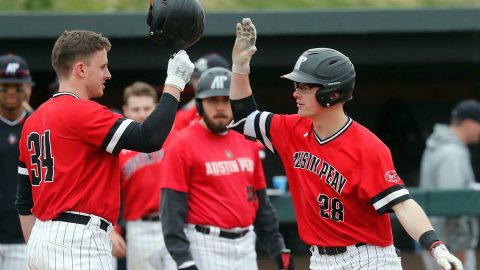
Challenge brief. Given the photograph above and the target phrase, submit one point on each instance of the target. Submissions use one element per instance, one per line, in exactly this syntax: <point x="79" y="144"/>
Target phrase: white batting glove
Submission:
<point x="445" y="259"/>
<point x="244" y="47"/>
<point x="179" y="70"/>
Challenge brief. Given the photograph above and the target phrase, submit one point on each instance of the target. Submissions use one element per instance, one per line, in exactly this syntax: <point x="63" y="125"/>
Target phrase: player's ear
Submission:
<point x="79" y="69"/>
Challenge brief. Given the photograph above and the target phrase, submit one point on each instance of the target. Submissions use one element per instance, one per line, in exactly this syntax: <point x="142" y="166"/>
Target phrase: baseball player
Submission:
<point x="69" y="188"/>
<point x="140" y="188"/>
<point x="213" y="190"/>
<point x="341" y="176"/>
<point x="14" y="80"/>
<point x="188" y="113"/>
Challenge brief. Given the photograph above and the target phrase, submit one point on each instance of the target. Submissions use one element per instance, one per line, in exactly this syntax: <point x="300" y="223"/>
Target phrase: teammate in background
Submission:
<point x="446" y="164"/>
<point x="341" y="176"/>
<point x="69" y="188"/>
<point x="14" y="80"/>
<point x="213" y="190"/>
<point x="188" y="113"/>
<point x="140" y="186"/>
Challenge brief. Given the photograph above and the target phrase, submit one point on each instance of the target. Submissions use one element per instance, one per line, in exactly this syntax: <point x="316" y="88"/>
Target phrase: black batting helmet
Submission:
<point x="214" y="82"/>
<point x="330" y="69"/>
<point x="179" y="23"/>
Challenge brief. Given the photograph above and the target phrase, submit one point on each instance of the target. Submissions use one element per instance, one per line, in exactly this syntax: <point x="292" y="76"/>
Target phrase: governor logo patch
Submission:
<point x="391" y="176"/>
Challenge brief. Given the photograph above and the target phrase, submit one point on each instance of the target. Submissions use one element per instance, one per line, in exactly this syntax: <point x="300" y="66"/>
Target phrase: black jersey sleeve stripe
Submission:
<point x="384" y="201"/>
<point x="116" y="135"/>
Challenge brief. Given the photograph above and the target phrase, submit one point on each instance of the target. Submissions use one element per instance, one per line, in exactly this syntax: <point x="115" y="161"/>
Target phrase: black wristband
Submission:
<point x="428" y="238"/>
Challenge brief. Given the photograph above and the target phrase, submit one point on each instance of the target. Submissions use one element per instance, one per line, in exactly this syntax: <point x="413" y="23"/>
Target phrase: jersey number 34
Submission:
<point x="41" y="157"/>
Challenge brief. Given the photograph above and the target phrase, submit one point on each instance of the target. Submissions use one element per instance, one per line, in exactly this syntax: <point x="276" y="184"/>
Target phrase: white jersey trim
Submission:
<point x="263" y="130"/>
<point x="390" y="197"/>
<point x="338" y="133"/>
<point x="117" y="135"/>
<point x="22" y="170"/>
<point x="249" y="128"/>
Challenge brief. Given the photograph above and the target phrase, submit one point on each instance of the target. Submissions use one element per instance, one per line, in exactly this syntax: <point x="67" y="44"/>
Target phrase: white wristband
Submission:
<point x="176" y="82"/>
<point x="241" y="69"/>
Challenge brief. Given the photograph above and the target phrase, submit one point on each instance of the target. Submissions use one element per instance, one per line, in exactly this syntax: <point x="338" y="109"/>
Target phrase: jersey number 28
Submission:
<point x="41" y="157"/>
<point x="330" y="208"/>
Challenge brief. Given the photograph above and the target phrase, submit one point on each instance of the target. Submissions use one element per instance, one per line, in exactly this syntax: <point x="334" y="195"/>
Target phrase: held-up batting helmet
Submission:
<point x="329" y="69"/>
<point x="214" y="82"/>
<point x="179" y="23"/>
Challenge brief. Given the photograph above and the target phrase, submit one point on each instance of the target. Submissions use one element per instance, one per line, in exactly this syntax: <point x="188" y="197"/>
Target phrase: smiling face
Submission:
<point x="96" y="73"/>
<point x="12" y="95"/>
<point x="307" y="104"/>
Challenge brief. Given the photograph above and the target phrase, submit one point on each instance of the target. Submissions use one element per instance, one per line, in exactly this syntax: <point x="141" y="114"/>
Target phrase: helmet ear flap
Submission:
<point x="199" y="105"/>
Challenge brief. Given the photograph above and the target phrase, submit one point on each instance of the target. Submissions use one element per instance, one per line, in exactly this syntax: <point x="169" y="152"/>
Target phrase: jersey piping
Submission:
<point x="338" y="133"/>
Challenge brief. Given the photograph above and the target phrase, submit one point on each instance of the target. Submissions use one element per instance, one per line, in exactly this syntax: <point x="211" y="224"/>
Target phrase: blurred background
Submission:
<point x="414" y="60"/>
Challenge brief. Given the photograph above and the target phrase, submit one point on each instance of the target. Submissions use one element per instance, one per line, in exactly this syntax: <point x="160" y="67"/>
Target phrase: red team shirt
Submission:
<point x="220" y="173"/>
<point x="341" y="186"/>
<point x="68" y="149"/>
<point x="139" y="176"/>
<point x="185" y="117"/>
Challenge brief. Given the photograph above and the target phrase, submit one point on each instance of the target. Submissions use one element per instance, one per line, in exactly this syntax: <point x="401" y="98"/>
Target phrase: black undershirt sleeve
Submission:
<point x="24" y="201"/>
<point x="173" y="214"/>
<point x="266" y="225"/>
<point x="150" y="136"/>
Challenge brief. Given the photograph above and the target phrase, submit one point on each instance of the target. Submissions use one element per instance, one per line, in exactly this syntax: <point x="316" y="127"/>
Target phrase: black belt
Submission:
<point x="80" y="219"/>
<point x="225" y="234"/>
<point x="154" y="217"/>
<point x="331" y="251"/>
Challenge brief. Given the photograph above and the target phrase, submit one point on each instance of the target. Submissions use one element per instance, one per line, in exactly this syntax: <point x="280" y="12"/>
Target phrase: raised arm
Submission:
<point x="242" y="52"/>
<point x="151" y="135"/>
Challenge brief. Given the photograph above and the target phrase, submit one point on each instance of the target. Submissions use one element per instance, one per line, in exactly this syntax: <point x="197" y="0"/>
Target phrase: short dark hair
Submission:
<point x="74" y="45"/>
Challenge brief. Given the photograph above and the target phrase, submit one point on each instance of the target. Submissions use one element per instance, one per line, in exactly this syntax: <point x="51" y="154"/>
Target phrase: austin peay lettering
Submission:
<point x="226" y="167"/>
<point x="326" y="172"/>
<point x="139" y="161"/>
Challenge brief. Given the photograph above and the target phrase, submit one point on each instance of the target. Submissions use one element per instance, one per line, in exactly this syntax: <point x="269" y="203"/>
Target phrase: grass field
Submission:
<point x="225" y="5"/>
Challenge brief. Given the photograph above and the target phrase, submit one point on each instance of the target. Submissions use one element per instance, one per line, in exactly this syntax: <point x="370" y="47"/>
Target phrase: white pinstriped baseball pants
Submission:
<point x="357" y="258"/>
<point x="12" y="256"/>
<point x="146" y="248"/>
<point x="212" y="252"/>
<point x="63" y="245"/>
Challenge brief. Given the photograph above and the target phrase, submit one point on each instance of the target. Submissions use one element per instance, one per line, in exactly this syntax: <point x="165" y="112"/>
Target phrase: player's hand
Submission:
<point x="244" y="47"/>
<point x="119" y="247"/>
<point x="284" y="260"/>
<point x="445" y="259"/>
<point x="179" y="70"/>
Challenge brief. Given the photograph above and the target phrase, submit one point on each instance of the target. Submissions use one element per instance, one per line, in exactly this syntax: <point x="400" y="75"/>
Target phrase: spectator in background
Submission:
<point x="446" y="165"/>
<point x="15" y="85"/>
<point x="188" y="113"/>
<point x="140" y="186"/>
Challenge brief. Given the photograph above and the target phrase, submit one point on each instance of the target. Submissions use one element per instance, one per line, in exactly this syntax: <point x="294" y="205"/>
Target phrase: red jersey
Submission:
<point x="341" y="186"/>
<point x="220" y="173"/>
<point x="140" y="183"/>
<point x="185" y="117"/>
<point x="68" y="150"/>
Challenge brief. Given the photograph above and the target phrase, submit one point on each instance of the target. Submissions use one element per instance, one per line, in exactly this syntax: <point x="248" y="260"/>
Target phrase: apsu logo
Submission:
<point x="391" y="176"/>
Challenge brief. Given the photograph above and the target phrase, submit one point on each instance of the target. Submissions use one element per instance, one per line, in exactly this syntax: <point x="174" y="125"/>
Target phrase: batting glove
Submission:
<point x="192" y="267"/>
<point x="284" y="260"/>
<point x="179" y="70"/>
<point x="445" y="259"/>
<point x="244" y="47"/>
